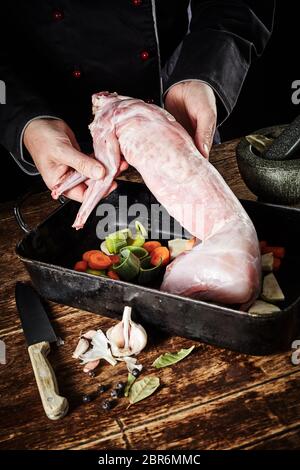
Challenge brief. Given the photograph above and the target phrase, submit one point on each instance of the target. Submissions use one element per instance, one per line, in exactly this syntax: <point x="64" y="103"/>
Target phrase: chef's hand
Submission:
<point x="193" y="104"/>
<point x="54" y="150"/>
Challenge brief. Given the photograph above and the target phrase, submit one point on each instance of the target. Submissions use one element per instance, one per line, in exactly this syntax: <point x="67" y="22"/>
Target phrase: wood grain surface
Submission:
<point x="215" y="399"/>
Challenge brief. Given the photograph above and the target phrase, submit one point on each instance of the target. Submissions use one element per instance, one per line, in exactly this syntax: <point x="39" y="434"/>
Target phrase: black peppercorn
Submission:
<point x="135" y="372"/>
<point x="101" y="389"/>
<point x="86" y="398"/>
<point x="115" y="393"/>
<point x="106" y="405"/>
<point x="120" y="386"/>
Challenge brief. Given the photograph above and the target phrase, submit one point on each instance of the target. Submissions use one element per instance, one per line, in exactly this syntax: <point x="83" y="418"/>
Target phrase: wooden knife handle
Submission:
<point x="54" y="405"/>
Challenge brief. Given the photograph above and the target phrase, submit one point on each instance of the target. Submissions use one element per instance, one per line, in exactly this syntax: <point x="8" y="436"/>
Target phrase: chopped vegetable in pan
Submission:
<point x="125" y="257"/>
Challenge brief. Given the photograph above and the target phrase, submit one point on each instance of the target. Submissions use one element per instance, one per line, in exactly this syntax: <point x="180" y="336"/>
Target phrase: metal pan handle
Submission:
<point x="18" y="208"/>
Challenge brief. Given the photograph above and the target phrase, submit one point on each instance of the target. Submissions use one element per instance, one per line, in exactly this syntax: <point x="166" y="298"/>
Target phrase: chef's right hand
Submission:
<point x="54" y="150"/>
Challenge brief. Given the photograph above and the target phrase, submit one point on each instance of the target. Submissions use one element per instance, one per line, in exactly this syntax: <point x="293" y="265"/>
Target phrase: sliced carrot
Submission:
<point x="276" y="264"/>
<point x="99" y="260"/>
<point x="115" y="259"/>
<point x="160" y="253"/>
<point x="278" y="251"/>
<point x="87" y="254"/>
<point x="113" y="275"/>
<point x="81" y="266"/>
<point x="151" y="245"/>
<point x="262" y="244"/>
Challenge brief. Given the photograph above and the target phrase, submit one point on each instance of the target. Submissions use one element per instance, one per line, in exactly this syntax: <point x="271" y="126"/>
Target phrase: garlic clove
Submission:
<point x="82" y="346"/>
<point x="131" y="363"/>
<point x="127" y="337"/>
<point x="100" y="350"/>
<point x="138" y="339"/>
<point x="89" y="334"/>
<point x="91" y="366"/>
<point x="115" y="335"/>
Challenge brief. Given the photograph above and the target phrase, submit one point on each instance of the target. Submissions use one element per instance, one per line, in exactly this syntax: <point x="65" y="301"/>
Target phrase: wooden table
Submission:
<point x="215" y="399"/>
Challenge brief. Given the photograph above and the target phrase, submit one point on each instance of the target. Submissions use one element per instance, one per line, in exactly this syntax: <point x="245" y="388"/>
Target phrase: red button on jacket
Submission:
<point x="57" y="15"/>
<point x="144" y="55"/>
<point x="76" y="73"/>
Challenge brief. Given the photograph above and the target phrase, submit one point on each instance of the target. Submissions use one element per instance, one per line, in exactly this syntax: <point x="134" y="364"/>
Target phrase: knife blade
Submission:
<point x="39" y="334"/>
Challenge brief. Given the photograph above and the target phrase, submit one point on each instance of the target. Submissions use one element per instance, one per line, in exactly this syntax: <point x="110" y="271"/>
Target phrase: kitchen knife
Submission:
<point x="39" y="333"/>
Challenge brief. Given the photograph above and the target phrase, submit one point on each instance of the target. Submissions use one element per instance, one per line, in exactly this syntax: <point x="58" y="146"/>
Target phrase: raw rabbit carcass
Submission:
<point x="225" y="265"/>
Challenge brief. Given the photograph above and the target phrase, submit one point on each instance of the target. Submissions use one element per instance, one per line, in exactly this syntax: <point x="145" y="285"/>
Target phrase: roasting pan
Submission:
<point x="50" y="250"/>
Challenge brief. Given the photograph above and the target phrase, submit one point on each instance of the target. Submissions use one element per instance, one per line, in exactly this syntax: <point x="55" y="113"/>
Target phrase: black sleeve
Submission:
<point x="21" y="105"/>
<point x="223" y="37"/>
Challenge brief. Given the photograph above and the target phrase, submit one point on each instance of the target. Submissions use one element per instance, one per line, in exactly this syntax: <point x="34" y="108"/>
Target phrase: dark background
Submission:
<point x="265" y="98"/>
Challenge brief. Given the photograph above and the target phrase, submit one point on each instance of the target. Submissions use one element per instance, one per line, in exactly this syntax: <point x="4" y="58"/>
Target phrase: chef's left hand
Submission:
<point x="193" y="104"/>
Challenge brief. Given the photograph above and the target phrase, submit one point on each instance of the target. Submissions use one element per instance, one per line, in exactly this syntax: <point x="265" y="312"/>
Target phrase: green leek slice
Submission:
<point x="129" y="266"/>
<point x="148" y="272"/>
<point x="115" y="242"/>
<point x="138" y="241"/>
<point x="140" y="229"/>
<point x="140" y="237"/>
<point x="96" y="272"/>
<point x="137" y="251"/>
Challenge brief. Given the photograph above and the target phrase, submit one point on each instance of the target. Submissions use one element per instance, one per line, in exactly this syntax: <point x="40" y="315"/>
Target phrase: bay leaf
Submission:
<point x="143" y="389"/>
<point x="168" y="359"/>
<point x="259" y="142"/>
<point x="131" y="378"/>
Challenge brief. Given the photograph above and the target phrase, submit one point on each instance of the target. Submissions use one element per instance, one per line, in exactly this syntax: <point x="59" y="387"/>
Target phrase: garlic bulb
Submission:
<point x="127" y="337"/>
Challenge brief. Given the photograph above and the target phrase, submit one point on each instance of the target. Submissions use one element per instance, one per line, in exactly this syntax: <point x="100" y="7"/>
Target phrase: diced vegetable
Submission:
<point x="151" y="245"/>
<point x="278" y="251"/>
<point x="127" y="258"/>
<point x="80" y="266"/>
<point x="141" y="234"/>
<point x="271" y="291"/>
<point x="262" y="307"/>
<point x="267" y="262"/>
<point x="161" y="253"/>
<point x="87" y="254"/>
<point x="104" y="248"/>
<point x="96" y="272"/>
<point x="179" y="245"/>
<point x="129" y="266"/>
<point x="139" y="251"/>
<point x="138" y="241"/>
<point x="113" y="275"/>
<point x="116" y="241"/>
<point x="148" y="272"/>
<point x="140" y="228"/>
<point x="115" y="259"/>
<point x="99" y="261"/>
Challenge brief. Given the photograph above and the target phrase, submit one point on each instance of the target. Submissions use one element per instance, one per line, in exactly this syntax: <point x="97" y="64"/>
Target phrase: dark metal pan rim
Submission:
<point x="225" y="310"/>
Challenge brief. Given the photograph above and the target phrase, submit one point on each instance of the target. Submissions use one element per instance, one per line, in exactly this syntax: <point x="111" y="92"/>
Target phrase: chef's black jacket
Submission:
<point x="55" y="54"/>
